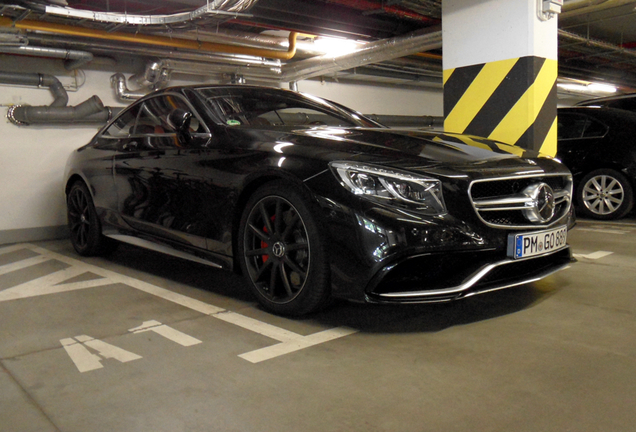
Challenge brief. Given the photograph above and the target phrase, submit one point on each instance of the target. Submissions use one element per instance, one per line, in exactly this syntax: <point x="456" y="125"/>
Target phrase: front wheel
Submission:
<point x="281" y="251"/>
<point x="605" y="194"/>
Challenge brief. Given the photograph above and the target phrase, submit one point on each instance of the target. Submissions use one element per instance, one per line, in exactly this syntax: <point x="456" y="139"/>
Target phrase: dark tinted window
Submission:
<point x="153" y="118"/>
<point x="255" y="108"/>
<point x="123" y="125"/>
<point x="573" y="126"/>
<point x="626" y="104"/>
<point x="594" y="129"/>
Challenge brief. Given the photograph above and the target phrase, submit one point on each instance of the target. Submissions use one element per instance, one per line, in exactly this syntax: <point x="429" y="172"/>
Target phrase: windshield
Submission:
<point x="250" y="107"/>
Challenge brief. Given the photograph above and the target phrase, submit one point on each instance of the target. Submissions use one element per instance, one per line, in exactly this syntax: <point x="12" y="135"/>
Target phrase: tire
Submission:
<point x="605" y="194"/>
<point x="84" y="225"/>
<point x="281" y="251"/>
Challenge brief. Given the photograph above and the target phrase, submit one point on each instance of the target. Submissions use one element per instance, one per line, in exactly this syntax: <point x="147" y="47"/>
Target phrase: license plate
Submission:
<point x="537" y="243"/>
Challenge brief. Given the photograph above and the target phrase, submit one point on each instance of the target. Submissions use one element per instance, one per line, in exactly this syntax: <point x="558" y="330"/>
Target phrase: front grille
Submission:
<point x="501" y="202"/>
<point x="502" y="188"/>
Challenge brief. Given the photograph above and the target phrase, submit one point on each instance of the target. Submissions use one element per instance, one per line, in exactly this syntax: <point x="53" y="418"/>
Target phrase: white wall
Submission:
<point x="32" y="158"/>
<point x="379" y="100"/>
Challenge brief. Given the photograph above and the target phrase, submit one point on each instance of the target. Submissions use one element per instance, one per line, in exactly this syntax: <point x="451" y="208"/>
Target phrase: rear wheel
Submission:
<point x="281" y="251"/>
<point x="83" y="223"/>
<point x="605" y="194"/>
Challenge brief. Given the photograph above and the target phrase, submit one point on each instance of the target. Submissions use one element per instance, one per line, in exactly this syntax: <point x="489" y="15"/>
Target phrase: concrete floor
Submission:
<point x="557" y="355"/>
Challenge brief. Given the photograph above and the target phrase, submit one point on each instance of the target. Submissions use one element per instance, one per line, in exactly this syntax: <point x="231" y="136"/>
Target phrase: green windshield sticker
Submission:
<point x="233" y="122"/>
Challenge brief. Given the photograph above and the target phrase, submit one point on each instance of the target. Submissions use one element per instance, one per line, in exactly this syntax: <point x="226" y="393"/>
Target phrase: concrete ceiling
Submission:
<point x="597" y="39"/>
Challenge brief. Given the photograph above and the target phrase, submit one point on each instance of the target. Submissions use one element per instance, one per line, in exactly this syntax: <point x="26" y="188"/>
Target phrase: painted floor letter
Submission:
<point x="85" y="360"/>
<point x="167" y="332"/>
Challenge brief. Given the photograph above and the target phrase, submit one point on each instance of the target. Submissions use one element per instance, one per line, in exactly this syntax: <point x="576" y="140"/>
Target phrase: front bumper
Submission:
<point x="381" y="256"/>
<point x="439" y="278"/>
<point x="385" y="254"/>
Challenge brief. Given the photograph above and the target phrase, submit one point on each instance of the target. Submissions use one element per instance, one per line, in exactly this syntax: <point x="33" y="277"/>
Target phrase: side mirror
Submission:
<point x="180" y="119"/>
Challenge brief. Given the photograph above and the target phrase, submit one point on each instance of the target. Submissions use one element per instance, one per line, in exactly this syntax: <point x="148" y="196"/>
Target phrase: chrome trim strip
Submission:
<point x="522" y="200"/>
<point x="502" y="201"/>
<point x="510" y="285"/>
<point x="476" y="277"/>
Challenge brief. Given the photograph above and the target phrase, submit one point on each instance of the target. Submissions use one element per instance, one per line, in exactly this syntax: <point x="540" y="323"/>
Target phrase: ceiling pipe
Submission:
<point x="582" y="8"/>
<point x="372" y="7"/>
<point x="216" y="7"/>
<point x="73" y="58"/>
<point x="151" y="40"/>
<point x="241" y="38"/>
<point x="107" y="48"/>
<point x="121" y="89"/>
<point x="610" y="49"/>
<point x="374" y="52"/>
<point x="196" y="68"/>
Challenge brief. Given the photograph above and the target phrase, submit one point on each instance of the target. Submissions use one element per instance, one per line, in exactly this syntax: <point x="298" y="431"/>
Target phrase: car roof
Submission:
<point x="610" y="116"/>
<point x="601" y="100"/>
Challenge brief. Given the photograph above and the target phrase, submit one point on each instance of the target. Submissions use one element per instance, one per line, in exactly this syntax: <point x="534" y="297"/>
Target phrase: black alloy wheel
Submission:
<point x="605" y="194"/>
<point x="281" y="251"/>
<point x="83" y="223"/>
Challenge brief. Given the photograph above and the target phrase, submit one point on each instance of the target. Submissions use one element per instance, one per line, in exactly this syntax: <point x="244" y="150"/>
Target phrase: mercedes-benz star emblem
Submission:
<point x="540" y="208"/>
<point x="278" y="249"/>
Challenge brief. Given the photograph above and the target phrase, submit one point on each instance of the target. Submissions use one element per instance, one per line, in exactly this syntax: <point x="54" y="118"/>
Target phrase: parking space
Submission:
<point x="116" y="343"/>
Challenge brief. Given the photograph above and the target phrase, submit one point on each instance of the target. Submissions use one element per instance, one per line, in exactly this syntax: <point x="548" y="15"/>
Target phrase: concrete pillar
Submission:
<point x="500" y="71"/>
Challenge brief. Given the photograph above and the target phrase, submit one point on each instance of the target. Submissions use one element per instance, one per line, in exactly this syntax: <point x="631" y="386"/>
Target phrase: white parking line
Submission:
<point x="19" y="265"/>
<point x="594" y="255"/>
<point x="273" y="351"/>
<point x="51" y="284"/>
<point x="604" y="231"/>
<point x="257" y="326"/>
<point x="54" y="283"/>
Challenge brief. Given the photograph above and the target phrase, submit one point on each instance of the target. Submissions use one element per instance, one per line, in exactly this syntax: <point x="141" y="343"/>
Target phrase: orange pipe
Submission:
<point x="152" y="40"/>
<point x="429" y="55"/>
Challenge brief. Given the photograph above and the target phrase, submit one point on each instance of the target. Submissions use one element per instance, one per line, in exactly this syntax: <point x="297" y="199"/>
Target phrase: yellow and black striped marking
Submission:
<point x="513" y="101"/>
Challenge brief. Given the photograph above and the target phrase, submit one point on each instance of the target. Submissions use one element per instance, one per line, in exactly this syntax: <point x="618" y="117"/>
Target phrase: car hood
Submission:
<point x="418" y="151"/>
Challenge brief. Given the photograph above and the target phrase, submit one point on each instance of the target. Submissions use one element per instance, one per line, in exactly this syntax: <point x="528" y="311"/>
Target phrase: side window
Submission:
<point x="123" y="125"/>
<point x="594" y="129"/>
<point x="246" y="110"/>
<point x="570" y="126"/>
<point x="297" y="116"/>
<point x="628" y="104"/>
<point x="153" y="118"/>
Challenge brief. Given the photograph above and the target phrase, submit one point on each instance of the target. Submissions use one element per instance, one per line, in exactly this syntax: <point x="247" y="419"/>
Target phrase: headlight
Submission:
<point x="391" y="187"/>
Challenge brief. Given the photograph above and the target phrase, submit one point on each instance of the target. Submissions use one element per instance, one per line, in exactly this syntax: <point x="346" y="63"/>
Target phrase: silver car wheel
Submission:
<point x="603" y="194"/>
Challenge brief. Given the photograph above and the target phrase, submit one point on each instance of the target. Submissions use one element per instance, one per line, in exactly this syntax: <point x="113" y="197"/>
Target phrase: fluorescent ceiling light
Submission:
<point x="589" y="87"/>
<point x="605" y="88"/>
<point x="336" y="47"/>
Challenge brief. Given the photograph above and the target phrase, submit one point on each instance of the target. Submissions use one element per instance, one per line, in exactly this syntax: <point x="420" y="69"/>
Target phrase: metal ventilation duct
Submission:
<point x="91" y="110"/>
<point x="216" y="7"/>
<point x="375" y="52"/>
<point x="74" y="58"/>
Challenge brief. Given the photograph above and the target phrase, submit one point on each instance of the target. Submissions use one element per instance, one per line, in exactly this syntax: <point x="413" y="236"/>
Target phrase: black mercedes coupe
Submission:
<point x="311" y="200"/>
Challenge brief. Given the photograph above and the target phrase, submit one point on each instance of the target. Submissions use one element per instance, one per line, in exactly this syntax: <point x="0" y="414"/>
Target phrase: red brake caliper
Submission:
<point x="263" y="244"/>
